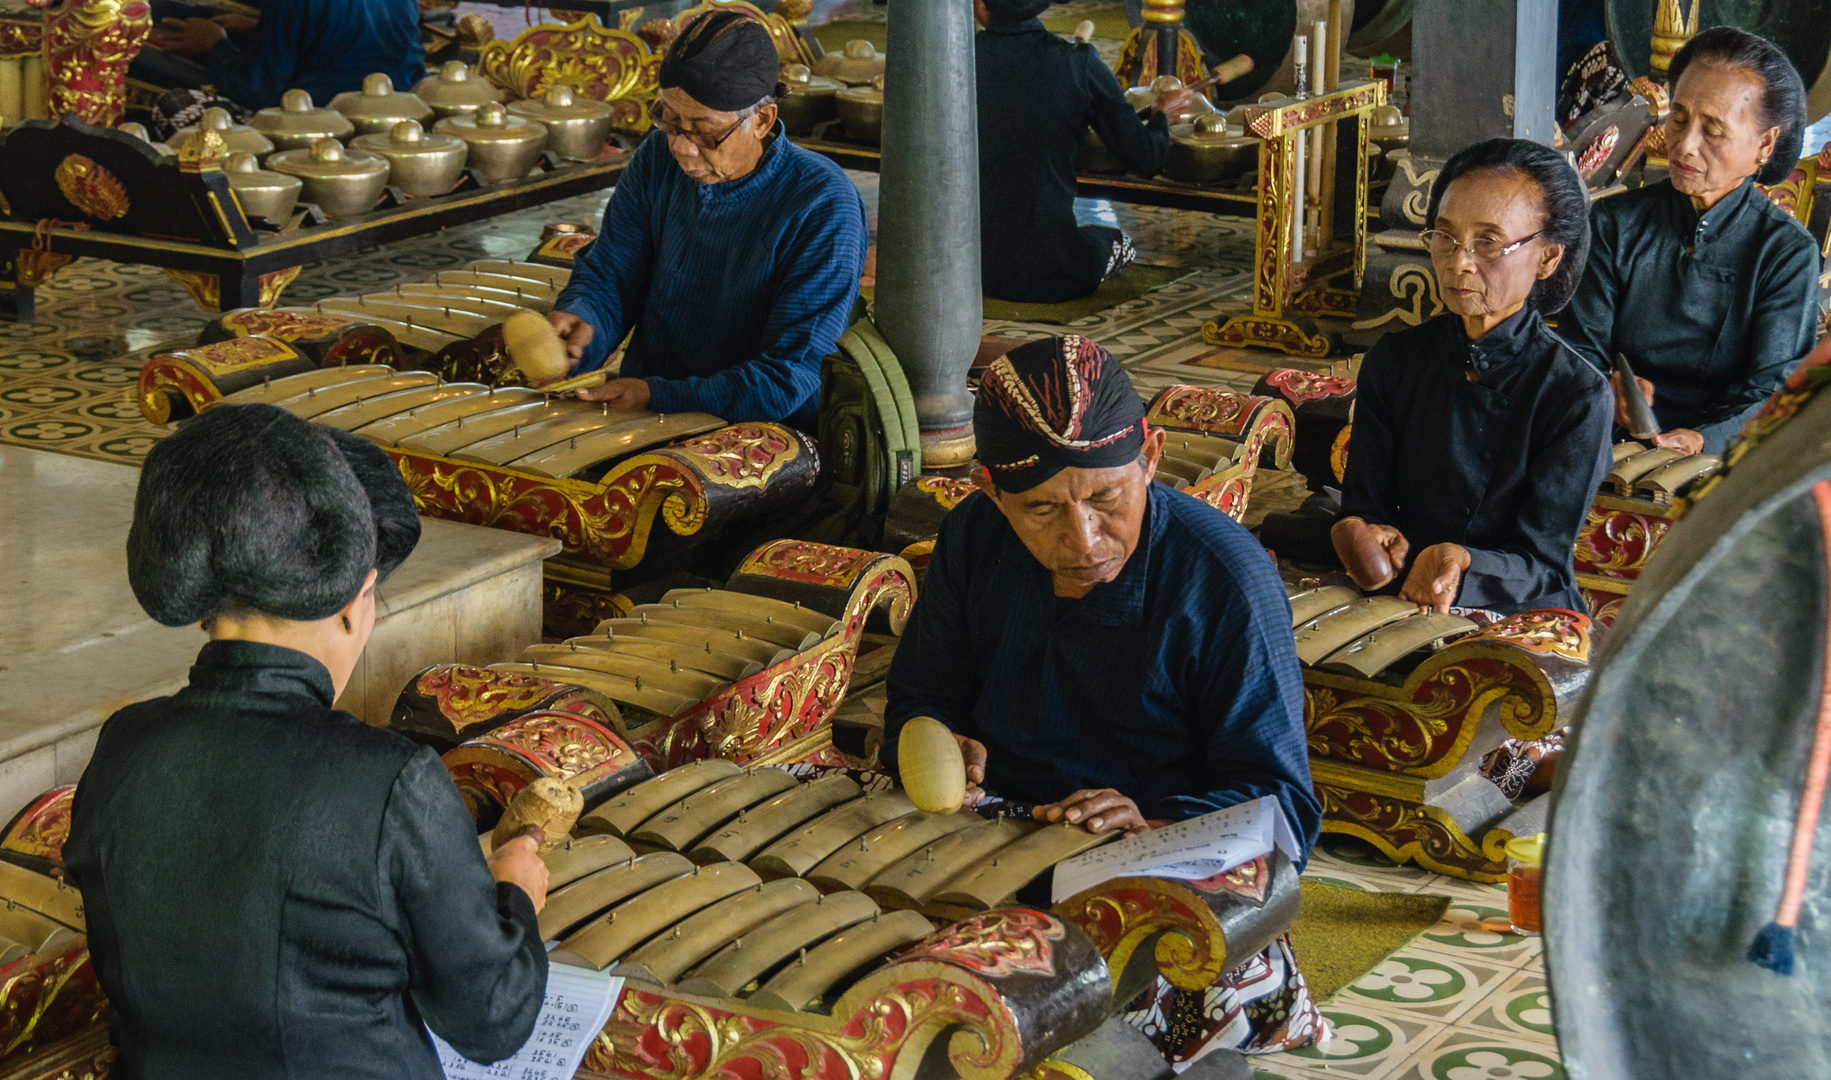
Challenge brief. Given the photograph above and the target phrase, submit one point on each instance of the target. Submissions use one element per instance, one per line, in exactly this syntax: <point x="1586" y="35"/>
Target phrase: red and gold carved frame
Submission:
<point x="1004" y="989"/>
<point x="1374" y="743"/>
<point x="608" y="522"/>
<point x="1282" y="280"/>
<point x="602" y="63"/>
<point x="1264" y="426"/>
<point x="1614" y="545"/>
<point x="781" y="714"/>
<point x="53" y="1015"/>
<point x="86" y="46"/>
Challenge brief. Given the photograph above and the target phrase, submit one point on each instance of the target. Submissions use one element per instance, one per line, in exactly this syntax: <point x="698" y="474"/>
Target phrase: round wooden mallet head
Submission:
<point x="551" y="805"/>
<point x="933" y="772"/>
<point x="535" y="346"/>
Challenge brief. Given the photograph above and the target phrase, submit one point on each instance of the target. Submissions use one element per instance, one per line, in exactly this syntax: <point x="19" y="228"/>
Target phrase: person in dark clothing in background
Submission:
<point x="1705" y="285"/>
<point x="273" y="888"/>
<point x="1480" y="437"/>
<point x="323" y="46"/>
<point x="1038" y="94"/>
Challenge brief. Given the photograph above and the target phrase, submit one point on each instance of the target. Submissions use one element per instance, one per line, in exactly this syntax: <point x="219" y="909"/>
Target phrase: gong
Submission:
<point x="1802" y="29"/>
<point x="1676" y="801"/>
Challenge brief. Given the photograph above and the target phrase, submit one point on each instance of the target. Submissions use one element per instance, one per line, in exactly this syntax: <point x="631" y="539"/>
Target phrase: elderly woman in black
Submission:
<point x="274" y="888"/>
<point x="1709" y="289"/>
<point x="1480" y="437"/>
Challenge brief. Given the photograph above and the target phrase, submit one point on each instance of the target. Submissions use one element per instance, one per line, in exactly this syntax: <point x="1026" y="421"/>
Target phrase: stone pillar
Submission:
<point x="1485" y="69"/>
<point x="928" y="292"/>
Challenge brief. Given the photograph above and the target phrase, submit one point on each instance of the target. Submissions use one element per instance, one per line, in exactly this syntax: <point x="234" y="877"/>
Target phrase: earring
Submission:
<point x="346" y="624"/>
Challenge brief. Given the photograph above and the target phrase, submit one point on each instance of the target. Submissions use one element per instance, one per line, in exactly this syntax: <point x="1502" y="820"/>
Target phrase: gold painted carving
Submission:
<point x="202" y="152"/>
<point x="609" y="65"/>
<point x="1413" y="282"/>
<point x="1279" y="272"/>
<point x="272" y="285"/>
<point x="205" y="289"/>
<point x="893" y="1024"/>
<point x="1126" y="913"/>
<point x="740" y="455"/>
<point x="90" y="188"/>
<point x="1406" y="831"/>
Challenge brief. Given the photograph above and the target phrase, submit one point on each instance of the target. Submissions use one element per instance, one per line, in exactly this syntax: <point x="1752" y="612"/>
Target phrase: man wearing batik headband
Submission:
<point x="732" y="253"/>
<point x="1113" y="651"/>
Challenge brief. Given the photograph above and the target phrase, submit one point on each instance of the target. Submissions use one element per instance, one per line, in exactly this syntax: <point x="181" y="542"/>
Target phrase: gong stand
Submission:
<point x="1287" y="287"/>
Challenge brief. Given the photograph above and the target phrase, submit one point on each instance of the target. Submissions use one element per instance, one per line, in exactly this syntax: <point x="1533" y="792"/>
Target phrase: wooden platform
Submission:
<point x="75" y="645"/>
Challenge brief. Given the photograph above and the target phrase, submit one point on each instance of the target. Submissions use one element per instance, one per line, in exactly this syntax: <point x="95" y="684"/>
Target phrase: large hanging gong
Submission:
<point x="1676" y="803"/>
<point x="1263" y="30"/>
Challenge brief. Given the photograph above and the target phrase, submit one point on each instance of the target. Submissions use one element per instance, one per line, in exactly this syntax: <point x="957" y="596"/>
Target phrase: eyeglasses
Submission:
<point x="1483" y="249"/>
<point x="670" y="128"/>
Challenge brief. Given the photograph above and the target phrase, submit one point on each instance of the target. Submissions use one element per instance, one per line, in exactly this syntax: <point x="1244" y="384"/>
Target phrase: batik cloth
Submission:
<point x="1261" y="1007"/>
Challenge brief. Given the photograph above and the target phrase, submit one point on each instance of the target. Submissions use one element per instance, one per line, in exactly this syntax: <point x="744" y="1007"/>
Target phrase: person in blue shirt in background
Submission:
<point x="732" y="254"/>
<point x="323" y="46"/>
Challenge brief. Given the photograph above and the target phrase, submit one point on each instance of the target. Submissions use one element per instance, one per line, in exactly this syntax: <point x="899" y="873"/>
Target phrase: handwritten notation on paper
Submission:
<point x="1194" y="849"/>
<point x="578" y="1001"/>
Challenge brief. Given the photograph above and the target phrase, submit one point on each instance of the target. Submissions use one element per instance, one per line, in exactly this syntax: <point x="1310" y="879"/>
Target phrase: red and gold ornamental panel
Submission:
<point x="1002" y="989"/>
<point x="1376" y="744"/>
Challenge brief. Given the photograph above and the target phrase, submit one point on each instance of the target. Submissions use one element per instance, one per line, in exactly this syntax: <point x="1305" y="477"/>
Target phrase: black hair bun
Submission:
<point x="397" y="519"/>
<point x="248" y="506"/>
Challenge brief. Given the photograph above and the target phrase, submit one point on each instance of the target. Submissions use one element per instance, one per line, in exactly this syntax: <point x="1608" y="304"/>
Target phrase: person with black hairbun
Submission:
<point x="1707" y="287"/>
<point x="1480" y="437"/>
<point x="272" y="887"/>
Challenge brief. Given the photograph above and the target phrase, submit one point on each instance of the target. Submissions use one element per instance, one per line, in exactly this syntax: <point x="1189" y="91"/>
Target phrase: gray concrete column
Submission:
<point x="928" y="292"/>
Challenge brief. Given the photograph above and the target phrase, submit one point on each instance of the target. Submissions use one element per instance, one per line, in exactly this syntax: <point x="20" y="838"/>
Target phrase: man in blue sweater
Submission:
<point x="1112" y="652"/>
<point x="324" y="46"/>
<point x="732" y="253"/>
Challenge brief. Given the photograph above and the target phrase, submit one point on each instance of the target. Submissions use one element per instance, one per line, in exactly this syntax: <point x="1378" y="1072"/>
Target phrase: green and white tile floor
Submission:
<point x="1461" y="1002"/>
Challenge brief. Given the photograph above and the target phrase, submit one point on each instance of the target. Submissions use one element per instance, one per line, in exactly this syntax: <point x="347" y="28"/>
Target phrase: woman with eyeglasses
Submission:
<point x="1480" y="437"/>
<point x="1709" y="289"/>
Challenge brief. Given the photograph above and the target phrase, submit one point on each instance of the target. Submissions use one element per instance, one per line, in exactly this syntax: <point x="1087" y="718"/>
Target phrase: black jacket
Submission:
<point x="1038" y="95"/>
<point x="276" y="889"/>
<point x="1497" y="445"/>
<point x="1712" y="309"/>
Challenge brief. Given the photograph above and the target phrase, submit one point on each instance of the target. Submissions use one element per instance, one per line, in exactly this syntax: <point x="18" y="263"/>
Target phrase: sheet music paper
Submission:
<point x="1194" y="849"/>
<point x="578" y="1002"/>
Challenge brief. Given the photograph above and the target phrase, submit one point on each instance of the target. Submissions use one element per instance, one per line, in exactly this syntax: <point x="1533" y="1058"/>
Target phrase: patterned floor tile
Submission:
<point x="1368" y="1044"/>
<point x="1480" y="931"/>
<point x="1424" y="984"/>
<point x="1457" y="1054"/>
<point x="1519" y="1008"/>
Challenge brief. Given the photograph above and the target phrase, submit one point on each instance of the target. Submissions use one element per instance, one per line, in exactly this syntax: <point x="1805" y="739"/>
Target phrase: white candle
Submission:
<point x="1300" y="56"/>
<point x="1319" y="39"/>
<point x="12" y="98"/>
<point x="32" y="88"/>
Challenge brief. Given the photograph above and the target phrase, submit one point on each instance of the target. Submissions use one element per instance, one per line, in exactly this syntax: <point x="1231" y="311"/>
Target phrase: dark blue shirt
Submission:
<point x="736" y="291"/>
<point x="1496" y="444"/>
<point x="324" y="46"/>
<point x="1175" y="684"/>
<point x="1713" y="309"/>
<point x="1038" y="95"/>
